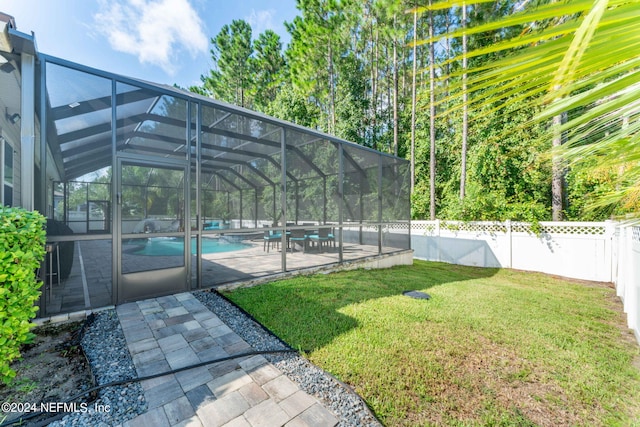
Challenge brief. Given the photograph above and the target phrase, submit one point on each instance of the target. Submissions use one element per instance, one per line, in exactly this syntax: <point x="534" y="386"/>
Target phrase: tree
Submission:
<point x="351" y="106"/>
<point x="293" y="106"/>
<point x="432" y="122"/>
<point x="348" y="72"/>
<point x="268" y="66"/>
<point x="231" y="78"/>
<point x="557" y="172"/>
<point x="569" y="59"/>
<point x="413" y="99"/>
<point x="313" y="51"/>
<point x="465" y="108"/>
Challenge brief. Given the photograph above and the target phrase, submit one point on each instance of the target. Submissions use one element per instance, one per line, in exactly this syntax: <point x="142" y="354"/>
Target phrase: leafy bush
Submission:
<point x="22" y="240"/>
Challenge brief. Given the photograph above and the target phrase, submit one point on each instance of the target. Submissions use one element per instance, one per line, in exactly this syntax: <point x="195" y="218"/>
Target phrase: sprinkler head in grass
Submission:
<point x="416" y="294"/>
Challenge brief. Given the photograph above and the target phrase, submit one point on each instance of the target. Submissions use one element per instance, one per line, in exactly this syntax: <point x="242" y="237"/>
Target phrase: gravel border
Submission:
<point x="336" y="395"/>
<point x="106" y="349"/>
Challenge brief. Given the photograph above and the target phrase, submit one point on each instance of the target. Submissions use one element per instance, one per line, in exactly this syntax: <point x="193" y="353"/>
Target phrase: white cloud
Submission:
<point x="261" y="20"/>
<point x="156" y="31"/>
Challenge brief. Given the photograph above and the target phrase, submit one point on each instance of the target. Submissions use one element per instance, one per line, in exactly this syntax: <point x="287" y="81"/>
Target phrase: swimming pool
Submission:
<point x="171" y="246"/>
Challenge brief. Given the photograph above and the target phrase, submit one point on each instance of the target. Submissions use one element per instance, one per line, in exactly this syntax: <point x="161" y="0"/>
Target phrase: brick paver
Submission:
<point x="177" y="330"/>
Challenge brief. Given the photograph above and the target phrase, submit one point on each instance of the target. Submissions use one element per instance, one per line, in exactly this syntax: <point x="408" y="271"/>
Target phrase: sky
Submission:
<point x="163" y="41"/>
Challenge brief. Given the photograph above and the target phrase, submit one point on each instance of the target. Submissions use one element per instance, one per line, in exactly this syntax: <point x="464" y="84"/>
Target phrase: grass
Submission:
<point x="491" y="347"/>
<point x="25" y="385"/>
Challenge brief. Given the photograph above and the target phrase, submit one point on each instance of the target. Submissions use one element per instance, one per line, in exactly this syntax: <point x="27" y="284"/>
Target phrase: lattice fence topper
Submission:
<point x="366" y="227"/>
<point x="565" y="228"/>
<point x="420" y="225"/>
<point x="423" y="226"/>
<point x="397" y="226"/>
<point x="481" y="227"/>
<point x="575" y="229"/>
<point x="635" y="234"/>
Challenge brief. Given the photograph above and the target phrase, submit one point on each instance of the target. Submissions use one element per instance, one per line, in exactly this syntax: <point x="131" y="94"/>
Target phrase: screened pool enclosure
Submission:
<point x="151" y="190"/>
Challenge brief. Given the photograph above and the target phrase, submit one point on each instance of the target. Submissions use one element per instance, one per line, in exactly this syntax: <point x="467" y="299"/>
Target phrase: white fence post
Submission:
<point x="624" y="259"/>
<point x="438" y="239"/>
<point x="509" y="242"/>
<point x="609" y="248"/>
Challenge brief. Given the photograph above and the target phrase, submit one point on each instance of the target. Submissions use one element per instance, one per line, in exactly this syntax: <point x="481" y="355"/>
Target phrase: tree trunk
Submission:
<point x="432" y="122"/>
<point x="395" y="90"/>
<point x="557" y="172"/>
<point x="332" y="93"/>
<point x="465" y="108"/>
<point x="413" y="100"/>
<point x="374" y="83"/>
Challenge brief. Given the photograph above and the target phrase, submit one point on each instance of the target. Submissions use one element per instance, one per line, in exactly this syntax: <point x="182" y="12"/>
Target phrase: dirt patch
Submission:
<point x="482" y="381"/>
<point x="493" y="377"/>
<point x="53" y="369"/>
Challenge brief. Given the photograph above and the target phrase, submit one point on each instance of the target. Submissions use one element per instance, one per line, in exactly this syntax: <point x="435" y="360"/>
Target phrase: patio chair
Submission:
<point x="322" y="238"/>
<point x="332" y="237"/>
<point x="211" y="226"/>
<point x="271" y="237"/>
<point x="298" y="236"/>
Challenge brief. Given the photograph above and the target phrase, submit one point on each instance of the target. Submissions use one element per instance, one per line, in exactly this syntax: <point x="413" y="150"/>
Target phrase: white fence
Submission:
<point x="597" y="251"/>
<point x="627" y="279"/>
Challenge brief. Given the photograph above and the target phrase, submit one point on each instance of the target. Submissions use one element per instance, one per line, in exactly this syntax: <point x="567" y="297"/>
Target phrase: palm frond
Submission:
<point x="580" y="56"/>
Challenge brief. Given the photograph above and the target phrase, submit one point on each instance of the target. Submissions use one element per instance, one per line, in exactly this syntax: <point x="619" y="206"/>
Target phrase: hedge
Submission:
<point x="22" y="239"/>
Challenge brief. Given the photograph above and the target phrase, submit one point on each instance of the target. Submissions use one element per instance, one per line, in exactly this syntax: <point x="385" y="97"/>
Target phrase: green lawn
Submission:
<point x="492" y="346"/>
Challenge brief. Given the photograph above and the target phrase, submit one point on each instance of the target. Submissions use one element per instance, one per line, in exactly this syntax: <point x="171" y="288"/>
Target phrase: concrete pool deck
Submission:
<point x="90" y="284"/>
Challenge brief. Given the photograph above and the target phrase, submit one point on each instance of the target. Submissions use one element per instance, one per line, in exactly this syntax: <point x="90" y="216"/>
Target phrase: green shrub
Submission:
<point x="22" y="240"/>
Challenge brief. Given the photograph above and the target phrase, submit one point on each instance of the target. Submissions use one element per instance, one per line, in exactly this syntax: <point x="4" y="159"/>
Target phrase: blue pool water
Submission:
<point x="169" y="246"/>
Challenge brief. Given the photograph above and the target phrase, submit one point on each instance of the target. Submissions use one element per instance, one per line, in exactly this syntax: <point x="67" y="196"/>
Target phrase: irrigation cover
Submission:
<point x="416" y="294"/>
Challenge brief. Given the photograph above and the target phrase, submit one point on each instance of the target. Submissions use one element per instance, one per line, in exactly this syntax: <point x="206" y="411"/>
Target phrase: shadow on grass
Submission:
<point x="305" y="311"/>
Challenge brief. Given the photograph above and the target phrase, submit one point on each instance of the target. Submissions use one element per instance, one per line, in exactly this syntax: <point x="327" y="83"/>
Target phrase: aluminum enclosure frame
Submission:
<point x="258" y="158"/>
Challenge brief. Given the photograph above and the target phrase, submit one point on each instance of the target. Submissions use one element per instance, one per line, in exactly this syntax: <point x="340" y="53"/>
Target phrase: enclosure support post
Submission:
<point x="283" y="197"/>
<point x="275" y="213"/>
<point x="43" y="141"/>
<point x="379" y="204"/>
<point x="361" y="215"/>
<point x="324" y="199"/>
<point x="186" y="204"/>
<point x="297" y="201"/>
<point x="65" y="212"/>
<point x="86" y="199"/>
<point x="198" y="183"/>
<point x="27" y="134"/>
<point x="116" y="227"/>
<point x="241" y="208"/>
<point x="255" y="205"/>
<point x="340" y="200"/>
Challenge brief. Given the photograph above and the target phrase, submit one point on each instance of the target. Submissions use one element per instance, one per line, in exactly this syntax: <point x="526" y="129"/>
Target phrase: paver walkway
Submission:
<point x="171" y="332"/>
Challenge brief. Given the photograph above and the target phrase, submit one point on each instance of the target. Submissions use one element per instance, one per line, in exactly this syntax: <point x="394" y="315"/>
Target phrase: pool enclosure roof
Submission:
<point x="241" y="147"/>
